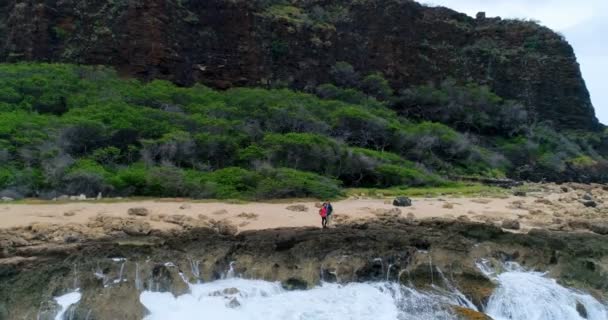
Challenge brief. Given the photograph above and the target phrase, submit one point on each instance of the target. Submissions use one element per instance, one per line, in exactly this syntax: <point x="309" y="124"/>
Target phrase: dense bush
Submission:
<point x="68" y="129"/>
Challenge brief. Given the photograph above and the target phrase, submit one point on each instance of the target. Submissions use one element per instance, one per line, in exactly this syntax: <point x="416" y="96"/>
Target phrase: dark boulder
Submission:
<point x="402" y="202"/>
<point x="589" y="203"/>
<point x="294" y="284"/>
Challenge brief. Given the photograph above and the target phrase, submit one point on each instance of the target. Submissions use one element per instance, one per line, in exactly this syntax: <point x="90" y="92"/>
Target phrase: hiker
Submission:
<point x="323" y="214"/>
<point x="330" y="210"/>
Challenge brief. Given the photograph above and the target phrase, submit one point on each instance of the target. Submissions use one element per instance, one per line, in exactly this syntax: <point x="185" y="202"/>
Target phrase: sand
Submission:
<point x="531" y="211"/>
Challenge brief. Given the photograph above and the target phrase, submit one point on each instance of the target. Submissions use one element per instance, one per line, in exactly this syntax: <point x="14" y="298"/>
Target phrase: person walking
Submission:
<point x="330" y="210"/>
<point x="323" y="214"/>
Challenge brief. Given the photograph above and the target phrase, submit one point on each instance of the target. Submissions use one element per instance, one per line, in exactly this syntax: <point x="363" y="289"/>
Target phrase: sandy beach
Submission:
<point x="550" y="206"/>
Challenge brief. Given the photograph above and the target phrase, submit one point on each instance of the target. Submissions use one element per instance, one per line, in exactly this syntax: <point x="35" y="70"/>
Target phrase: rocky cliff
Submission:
<point x="225" y="43"/>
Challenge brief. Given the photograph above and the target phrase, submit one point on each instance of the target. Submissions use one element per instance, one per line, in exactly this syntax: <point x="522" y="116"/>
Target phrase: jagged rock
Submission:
<point x="248" y="216"/>
<point x="402" y="202"/>
<point x="469" y="314"/>
<point x="137" y="228"/>
<point x="599" y="227"/>
<point x="543" y="201"/>
<point x="463" y="218"/>
<point x="294" y="284"/>
<point x="234" y="303"/>
<point x="510" y="224"/>
<point x="297" y="208"/>
<point x="565" y="189"/>
<point x="142" y="212"/>
<point x="388" y="213"/>
<point x="582" y="311"/>
<point x="224" y="227"/>
<point x="69" y="213"/>
<point x="579" y="224"/>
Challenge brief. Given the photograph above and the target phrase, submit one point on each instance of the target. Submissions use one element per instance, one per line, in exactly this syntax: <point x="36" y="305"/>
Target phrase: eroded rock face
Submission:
<point x="393" y="249"/>
<point x="226" y="43"/>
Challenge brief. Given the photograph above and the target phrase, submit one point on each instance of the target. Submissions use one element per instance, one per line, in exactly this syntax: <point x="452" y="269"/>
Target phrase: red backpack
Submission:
<point x="323" y="212"/>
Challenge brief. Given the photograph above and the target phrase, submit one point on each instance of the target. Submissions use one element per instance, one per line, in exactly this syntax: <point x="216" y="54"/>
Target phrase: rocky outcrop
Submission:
<point x="401" y="250"/>
<point x="273" y="43"/>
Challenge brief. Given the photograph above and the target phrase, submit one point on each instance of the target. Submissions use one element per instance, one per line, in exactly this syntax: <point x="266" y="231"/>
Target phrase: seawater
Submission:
<point x="520" y="295"/>
<point x="254" y="299"/>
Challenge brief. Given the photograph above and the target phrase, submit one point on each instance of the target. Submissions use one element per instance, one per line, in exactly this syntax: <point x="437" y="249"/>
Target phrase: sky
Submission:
<point x="583" y="22"/>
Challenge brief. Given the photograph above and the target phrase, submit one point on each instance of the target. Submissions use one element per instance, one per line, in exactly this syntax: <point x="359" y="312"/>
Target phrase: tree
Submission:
<point x="344" y="75"/>
<point x="376" y="86"/>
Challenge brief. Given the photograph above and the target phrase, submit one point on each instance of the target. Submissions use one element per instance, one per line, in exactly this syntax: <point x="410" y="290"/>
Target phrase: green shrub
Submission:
<point x="289" y="183"/>
<point x="392" y="175"/>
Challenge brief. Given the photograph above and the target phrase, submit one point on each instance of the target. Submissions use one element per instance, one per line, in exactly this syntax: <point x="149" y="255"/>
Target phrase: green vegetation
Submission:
<point x="450" y="189"/>
<point x="68" y="129"/>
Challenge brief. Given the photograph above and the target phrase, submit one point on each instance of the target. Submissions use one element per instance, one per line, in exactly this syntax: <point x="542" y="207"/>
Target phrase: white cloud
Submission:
<point x="584" y="22"/>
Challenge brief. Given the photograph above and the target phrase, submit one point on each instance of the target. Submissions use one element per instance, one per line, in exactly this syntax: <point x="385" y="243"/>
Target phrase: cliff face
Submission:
<point x="225" y="43"/>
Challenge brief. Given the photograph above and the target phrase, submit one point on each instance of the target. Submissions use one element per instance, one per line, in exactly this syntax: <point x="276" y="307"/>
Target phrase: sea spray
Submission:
<point x="65" y="301"/>
<point x="255" y="299"/>
<point x="523" y="295"/>
<point x="138" y="282"/>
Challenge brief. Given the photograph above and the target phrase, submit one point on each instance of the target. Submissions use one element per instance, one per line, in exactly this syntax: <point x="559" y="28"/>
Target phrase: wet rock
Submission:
<point x="165" y="278"/>
<point x="297" y="208"/>
<point x="587" y="196"/>
<point x="468" y="314"/>
<point x="599" y="228"/>
<point x="294" y="284"/>
<point x="510" y="224"/>
<point x="140" y="211"/>
<point x="582" y="311"/>
<point x="116" y="302"/>
<point x="234" y="303"/>
<point x="402" y="202"/>
<point x="231" y="291"/>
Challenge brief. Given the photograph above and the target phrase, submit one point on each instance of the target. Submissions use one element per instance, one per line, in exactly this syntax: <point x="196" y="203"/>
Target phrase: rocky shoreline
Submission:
<point x="111" y="270"/>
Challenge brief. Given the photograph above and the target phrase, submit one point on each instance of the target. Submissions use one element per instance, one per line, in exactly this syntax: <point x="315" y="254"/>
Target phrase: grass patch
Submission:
<point x="452" y="189"/>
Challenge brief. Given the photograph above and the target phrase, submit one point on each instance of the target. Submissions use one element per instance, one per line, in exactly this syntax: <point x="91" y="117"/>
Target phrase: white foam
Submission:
<point x="532" y="296"/>
<point x="268" y="301"/>
<point x="65" y="301"/>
